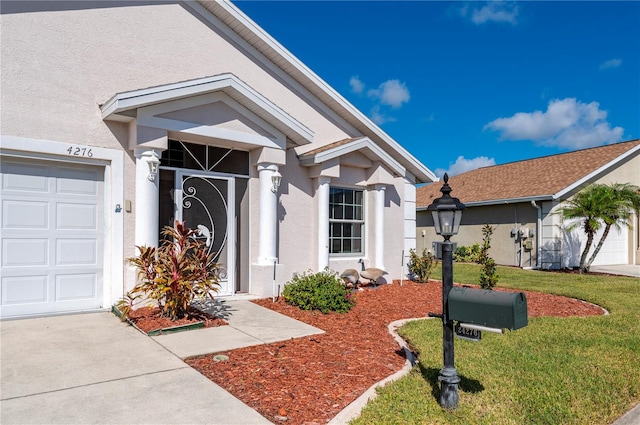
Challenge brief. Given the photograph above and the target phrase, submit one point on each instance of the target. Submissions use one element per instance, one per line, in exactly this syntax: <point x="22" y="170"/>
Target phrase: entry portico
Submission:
<point x="222" y="112"/>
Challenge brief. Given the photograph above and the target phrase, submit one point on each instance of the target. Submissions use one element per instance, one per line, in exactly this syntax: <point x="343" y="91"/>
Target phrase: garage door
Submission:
<point x="52" y="237"/>
<point x="615" y="248"/>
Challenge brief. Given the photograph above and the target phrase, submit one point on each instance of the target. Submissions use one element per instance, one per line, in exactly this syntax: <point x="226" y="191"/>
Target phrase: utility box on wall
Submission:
<point x="494" y="309"/>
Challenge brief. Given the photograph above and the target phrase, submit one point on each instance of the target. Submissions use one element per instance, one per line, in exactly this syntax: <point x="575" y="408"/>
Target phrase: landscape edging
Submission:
<point x="353" y="410"/>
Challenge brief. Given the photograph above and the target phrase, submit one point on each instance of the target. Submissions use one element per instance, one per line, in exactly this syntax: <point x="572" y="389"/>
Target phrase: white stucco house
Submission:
<point x="119" y="117"/>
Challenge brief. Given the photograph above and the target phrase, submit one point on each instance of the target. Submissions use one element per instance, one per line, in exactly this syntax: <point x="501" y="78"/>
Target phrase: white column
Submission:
<point x="147" y="198"/>
<point x="268" y="215"/>
<point x="380" y="190"/>
<point x="323" y="222"/>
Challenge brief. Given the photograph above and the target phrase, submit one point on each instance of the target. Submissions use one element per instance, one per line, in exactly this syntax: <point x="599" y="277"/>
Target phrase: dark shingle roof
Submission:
<point x="526" y="179"/>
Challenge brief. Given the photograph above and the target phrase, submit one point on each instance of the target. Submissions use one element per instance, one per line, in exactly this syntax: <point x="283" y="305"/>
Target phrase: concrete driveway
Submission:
<point x="622" y="269"/>
<point x="90" y="368"/>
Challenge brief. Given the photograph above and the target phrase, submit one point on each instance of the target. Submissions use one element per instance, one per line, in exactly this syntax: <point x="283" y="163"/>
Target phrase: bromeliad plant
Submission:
<point x="174" y="275"/>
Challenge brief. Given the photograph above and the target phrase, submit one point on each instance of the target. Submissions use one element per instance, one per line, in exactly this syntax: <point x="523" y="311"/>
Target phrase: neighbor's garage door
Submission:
<point x="52" y="237"/>
<point x="615" y="248"/>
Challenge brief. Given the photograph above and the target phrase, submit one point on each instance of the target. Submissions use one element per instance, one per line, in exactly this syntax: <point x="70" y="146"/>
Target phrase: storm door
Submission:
<point x="206" y="202"/>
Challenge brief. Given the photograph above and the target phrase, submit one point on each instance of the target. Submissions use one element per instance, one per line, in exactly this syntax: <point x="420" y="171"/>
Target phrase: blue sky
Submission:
<point x="468" y="84"/>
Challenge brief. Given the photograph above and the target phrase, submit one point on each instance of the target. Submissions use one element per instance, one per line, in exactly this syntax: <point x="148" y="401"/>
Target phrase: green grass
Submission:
<point x="554" y="371"/>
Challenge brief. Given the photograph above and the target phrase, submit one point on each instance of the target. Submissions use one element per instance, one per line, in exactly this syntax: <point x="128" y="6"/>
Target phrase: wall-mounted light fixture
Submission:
<point x="153" y="162"/>
<point x="276" y="179"/>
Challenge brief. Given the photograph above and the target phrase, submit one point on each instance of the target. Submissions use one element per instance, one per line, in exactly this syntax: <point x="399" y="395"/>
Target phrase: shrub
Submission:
<point x="174" y="275"/>
<point x="488" y="275"/>
<point x="467" y="254"/>
<point x="323" y="291"/>
<point x="421" y="267"/>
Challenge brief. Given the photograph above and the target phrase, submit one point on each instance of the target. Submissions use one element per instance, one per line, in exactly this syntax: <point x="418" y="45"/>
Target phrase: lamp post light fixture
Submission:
<point x="447" y="213"/>
<point x="276" y="178"/>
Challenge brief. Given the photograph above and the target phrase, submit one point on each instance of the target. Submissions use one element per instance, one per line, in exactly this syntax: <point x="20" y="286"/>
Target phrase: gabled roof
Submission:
<point x="363" y="145"/>
<point x="268" y="47"/>
<point x="124" y="106"/>
<point x="549" y="177"/>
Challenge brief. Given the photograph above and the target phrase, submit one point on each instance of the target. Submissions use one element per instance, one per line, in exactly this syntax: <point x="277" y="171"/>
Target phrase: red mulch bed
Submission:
<point x="149" y="319"/>
<point x="310" y="380"/>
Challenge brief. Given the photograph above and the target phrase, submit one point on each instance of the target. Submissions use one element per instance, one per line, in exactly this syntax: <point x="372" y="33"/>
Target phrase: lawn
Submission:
<point x="554" y="371"/>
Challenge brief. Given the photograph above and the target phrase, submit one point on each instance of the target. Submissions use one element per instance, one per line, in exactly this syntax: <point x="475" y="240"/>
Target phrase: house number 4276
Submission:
<point x="78" y="151"/>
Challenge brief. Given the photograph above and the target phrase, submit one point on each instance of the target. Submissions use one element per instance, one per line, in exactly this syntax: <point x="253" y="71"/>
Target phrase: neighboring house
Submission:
<point x="95" y="93"/>
<point x="521" y="200"/>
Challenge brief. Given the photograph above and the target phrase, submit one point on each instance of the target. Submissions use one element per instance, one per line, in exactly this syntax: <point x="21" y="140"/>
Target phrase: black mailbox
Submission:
<point x="494" y="309"/>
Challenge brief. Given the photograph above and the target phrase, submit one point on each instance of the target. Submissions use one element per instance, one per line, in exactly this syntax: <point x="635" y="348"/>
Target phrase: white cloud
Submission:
<point x="610" y="64"/>
<point x="462" y="165"/>
<point x="492" y="11"/>
<point x="357" y="86"/>
<point x="379" y="118"/>
<point x="392" y="92"/>
<point x="567" y="123"/>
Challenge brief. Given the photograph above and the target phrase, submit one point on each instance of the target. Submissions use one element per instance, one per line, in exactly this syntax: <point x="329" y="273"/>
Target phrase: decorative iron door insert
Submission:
<point x="206" y="203"/>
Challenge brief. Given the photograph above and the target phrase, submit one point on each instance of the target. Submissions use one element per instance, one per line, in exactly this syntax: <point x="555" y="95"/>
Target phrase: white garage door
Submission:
<point x="52" y="237"/>
<point x="615" y="248"/>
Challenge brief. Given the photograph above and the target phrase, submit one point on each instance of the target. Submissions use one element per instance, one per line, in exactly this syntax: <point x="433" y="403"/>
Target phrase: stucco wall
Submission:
<point x="505" y="249"/>
<point x="627" y="171"/>
<point x="297" y="219"/>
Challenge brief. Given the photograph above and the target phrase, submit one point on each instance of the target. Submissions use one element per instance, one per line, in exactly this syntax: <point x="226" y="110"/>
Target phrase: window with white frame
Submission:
<point x="346" y="221"/>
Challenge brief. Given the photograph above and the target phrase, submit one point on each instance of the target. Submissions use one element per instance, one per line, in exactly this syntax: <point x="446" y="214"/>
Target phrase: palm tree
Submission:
<point x="601" y="205"/>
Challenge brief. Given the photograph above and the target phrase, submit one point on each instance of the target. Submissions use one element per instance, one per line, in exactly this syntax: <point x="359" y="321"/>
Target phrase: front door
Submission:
<point x="206" y="202"/>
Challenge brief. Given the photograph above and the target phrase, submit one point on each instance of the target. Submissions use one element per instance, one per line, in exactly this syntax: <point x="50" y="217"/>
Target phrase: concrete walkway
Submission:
<point x="249" y="324"/>
<point x="91" y="368"/>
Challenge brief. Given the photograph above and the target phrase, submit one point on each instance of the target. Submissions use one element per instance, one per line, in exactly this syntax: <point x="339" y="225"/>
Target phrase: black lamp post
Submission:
<point x="447" y="212"/>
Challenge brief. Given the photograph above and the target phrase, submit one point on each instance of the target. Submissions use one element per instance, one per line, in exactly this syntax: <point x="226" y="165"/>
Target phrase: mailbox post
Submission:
<point x="447" y="213"/>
